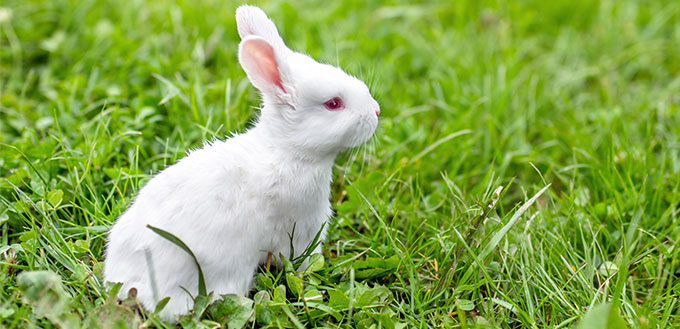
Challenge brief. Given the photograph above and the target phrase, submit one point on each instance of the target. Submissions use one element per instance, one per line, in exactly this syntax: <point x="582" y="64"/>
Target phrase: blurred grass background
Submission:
<point x="96" y="96"/>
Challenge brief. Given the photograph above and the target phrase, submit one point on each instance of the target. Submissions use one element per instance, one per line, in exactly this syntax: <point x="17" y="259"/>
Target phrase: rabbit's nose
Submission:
<point x="377" y="108"/>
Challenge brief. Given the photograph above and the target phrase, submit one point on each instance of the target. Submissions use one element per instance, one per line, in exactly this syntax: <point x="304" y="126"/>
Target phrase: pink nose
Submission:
<point x="377" y="112"/>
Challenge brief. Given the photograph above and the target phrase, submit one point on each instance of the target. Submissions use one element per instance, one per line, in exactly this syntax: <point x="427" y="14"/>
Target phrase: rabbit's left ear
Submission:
<point x="265" y="69"/>
<point x="251" y="20"/>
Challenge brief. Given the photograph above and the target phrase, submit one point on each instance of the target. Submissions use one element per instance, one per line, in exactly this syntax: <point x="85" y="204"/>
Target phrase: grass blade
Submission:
<point x="172" y="238"/>
<point x="504" y="230"/>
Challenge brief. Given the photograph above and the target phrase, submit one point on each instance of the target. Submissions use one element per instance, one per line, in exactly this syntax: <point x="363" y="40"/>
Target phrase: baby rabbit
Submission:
<point x="232" y="202"/>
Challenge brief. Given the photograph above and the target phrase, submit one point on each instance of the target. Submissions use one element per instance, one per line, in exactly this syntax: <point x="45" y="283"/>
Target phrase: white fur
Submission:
<point x="235" y="201"/>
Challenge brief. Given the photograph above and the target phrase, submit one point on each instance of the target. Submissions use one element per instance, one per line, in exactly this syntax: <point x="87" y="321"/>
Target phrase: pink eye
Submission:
<point x="334" y="104"/>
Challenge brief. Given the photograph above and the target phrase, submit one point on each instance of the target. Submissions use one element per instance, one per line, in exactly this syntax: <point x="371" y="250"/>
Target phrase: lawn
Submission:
<point x="525" y="172"/>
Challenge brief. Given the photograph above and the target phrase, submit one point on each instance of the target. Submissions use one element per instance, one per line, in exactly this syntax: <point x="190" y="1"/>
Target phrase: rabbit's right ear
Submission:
<point x="265" y="69"/>
<point x="251" y="20"/>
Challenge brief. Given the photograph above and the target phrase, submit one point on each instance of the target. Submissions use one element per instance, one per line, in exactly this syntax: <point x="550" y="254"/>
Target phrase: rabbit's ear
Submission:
<point x="265" y="70"/>
<point x="251" y="20"/>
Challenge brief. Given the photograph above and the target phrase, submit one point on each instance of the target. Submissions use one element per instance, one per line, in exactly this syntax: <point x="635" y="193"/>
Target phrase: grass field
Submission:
<point x="484" y="104"/>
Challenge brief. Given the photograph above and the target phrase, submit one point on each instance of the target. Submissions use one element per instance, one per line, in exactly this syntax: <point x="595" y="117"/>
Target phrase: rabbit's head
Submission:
<point x="313" y="108"/>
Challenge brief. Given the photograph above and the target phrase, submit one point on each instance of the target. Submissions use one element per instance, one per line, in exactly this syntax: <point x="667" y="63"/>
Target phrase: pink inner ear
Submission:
<point x="262" y="54"/>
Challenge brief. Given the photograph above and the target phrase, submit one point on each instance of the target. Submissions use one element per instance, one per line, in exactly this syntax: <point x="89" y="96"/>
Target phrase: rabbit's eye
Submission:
<point x="334" y="104"/>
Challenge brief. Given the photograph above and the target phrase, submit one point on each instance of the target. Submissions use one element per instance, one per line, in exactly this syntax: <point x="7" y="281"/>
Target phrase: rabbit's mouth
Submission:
<point x="363" y="130"/>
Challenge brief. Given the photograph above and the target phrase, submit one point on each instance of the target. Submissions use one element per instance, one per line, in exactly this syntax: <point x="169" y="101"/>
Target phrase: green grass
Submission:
<point x="584" y="96"/>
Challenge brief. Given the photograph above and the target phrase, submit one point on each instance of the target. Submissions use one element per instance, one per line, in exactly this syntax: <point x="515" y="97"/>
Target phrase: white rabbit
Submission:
<point x="232" y="202"/>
